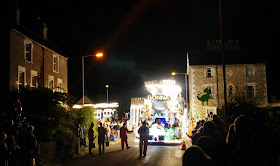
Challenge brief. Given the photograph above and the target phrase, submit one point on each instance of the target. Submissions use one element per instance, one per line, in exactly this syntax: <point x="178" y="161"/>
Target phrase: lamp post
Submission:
<point x="98" y="55"/>
<point x="186" y="82"/>
<point x="107" y="87"/>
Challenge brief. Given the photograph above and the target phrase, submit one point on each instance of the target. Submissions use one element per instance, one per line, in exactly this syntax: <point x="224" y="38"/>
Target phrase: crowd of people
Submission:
<point x="121" y="132"/>
<point x="19" y="147"/>
<point x="106" y="133"/>
<point x="213" y="145"/>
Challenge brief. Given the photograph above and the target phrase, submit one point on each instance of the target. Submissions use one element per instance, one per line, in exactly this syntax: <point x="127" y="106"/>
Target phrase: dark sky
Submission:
<point x="148" y="39"/>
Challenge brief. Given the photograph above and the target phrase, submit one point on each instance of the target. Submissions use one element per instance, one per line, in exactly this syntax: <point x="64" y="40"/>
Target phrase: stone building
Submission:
<point x="245" y="76"/>
<point x="33" y="60"/>
<point x="246" y="79"/>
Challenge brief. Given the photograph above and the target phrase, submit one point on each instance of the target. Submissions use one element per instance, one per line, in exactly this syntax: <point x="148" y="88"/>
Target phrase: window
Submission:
<point x="211" y="91"/>
<point x="230" y="90"/>
<point x="51" y="82"/>
<point x="59" y="85"/>
<point x="250" y="92"/>
<point x="34" y="81"/>
<point x="55" y="63"/>
<point x="28" y="50"/>
<point x="209" y="72"/>
<point x="21" y="76"/>
<point x="249" y="71"/>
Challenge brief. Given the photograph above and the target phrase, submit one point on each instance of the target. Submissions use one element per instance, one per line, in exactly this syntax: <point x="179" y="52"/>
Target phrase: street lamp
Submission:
<point x="98" y="55"/>
<point x="186" y="82"/>
<point x="107" y="86"/>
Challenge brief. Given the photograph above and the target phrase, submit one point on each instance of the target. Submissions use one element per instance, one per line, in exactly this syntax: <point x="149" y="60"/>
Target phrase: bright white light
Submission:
<point x="99" y="105"/>
<point x="106" y="105"/>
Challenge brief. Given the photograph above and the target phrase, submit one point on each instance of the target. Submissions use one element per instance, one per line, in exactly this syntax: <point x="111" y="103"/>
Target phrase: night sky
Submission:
<point x="148" y="39"/>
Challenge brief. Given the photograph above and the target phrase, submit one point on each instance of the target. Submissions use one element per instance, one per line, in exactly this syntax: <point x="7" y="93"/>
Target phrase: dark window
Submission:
<point x="249" y="71"/>
<point x="211" y="91"/>
<point x="209" y="72"/>
<point x="230" y="90"/>
<point x="28" y="49"/>
<point x="34" y="81"/>
<point x="55" y="63"/>
<point x="250" y="92"/>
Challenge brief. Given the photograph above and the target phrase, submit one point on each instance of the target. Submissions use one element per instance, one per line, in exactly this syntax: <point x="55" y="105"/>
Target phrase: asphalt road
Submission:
<point x="114" y="156"/>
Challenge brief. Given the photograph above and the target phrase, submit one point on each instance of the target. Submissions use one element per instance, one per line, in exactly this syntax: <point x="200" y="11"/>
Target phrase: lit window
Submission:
<point x="250" y="92"/>
<point x="211" y="91"/>
<point x="230" y="90"/>
<point x="209" y="72"/>
<point x="55" y="63"/>
<point x="249" y="71"/>
<point x="34" y="82"/>
<point x="51" y="82"/>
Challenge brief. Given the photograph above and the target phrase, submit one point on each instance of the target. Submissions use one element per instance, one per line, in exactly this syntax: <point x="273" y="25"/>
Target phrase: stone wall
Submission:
<point x="47" y="151"/>
<point x="235" y="76"/>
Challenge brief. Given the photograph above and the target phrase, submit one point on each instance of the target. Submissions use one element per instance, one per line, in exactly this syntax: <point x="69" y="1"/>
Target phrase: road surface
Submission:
<point x="156" y="155"/>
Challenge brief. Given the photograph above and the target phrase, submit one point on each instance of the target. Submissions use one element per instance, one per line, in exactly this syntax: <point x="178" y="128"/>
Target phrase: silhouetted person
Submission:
<point x="22" y="135"/>
<point x="101" y="137"/>
<point x="90" y="138"/>
<point x="4" y="151"/>
<point x="31" y="145"/>
<point x="244" y="153"/>
<point x="231" y="139"/>
<point x="209" y="130"/>
<point x="208" y="146"/>
<point x="194" y="156"/>
<point x="144" y="135"/>
<point x="80" y="133"/>
<point x="123" y="131"/>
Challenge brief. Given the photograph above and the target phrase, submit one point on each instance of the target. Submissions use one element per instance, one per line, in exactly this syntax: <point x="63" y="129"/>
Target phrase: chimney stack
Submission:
<point x="17" y="16"/>
<point x="45" y="31"/>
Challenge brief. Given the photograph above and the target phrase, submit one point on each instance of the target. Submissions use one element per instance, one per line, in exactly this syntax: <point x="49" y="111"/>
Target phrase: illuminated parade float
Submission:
<point x="163" y="110"/>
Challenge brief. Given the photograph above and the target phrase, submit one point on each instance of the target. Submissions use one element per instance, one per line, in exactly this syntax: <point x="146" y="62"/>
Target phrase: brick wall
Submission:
<point x="41" y="54"/>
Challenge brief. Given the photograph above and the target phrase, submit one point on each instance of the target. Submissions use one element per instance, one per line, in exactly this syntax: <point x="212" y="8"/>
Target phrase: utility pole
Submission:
<point x="223" y="61"/>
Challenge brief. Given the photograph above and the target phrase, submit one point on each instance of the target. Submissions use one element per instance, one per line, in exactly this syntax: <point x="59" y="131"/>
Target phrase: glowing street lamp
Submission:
<point x="107" y="87"/>
<point x="98" y="55"/>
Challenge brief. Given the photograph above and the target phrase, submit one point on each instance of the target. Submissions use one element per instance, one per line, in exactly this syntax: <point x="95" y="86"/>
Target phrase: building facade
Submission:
<point x="33" y="60"/>
<point x="248" y="80"/>
<point x="34" y="64"/>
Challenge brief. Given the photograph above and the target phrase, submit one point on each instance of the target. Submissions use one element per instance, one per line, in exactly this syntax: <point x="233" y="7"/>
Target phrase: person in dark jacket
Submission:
<point x="101" y="137"/>
<point x="144" y="135"/>
<point x="31" y="146"/>
<point x="91" y="138"/>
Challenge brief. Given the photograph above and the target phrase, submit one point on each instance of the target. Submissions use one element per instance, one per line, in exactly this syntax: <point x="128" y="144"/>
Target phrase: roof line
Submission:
<point x="55" y="52"/>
